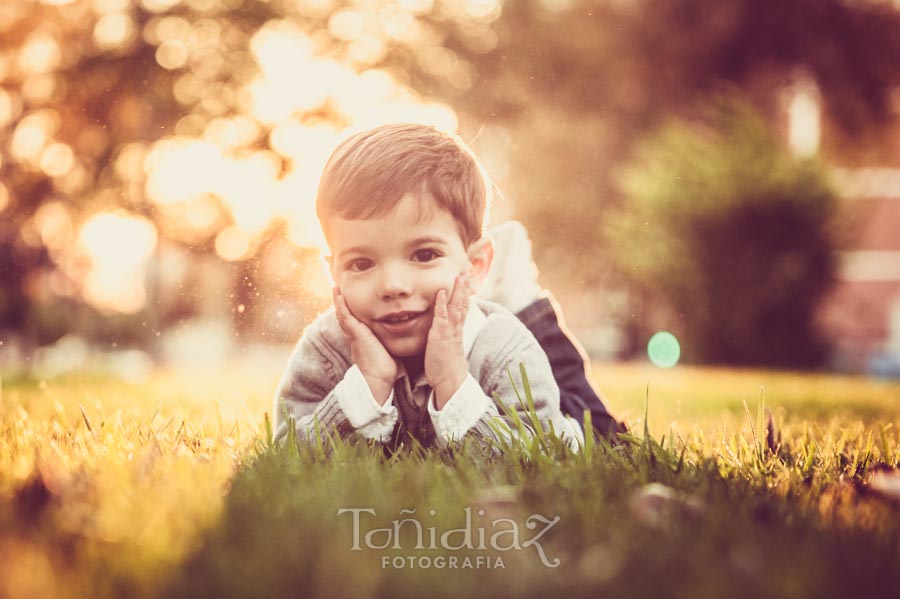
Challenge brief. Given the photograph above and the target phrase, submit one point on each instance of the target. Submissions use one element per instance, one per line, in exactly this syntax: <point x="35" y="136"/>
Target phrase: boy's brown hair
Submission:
<point x="369" y="173"/>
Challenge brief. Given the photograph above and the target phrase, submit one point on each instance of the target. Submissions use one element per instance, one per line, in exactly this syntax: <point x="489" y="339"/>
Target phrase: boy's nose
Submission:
<point x="395" y="284"/>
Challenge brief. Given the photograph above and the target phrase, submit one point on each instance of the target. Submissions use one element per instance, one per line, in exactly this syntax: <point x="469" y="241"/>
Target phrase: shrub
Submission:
<point x="727" y="234"/>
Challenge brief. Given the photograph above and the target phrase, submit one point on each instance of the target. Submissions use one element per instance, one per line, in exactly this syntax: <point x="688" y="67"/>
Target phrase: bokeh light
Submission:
<point x="40" y="54"/>
<point x="4" y="197"/>
<point x="664" y="350"/>
<point x="118" y="245"/>
<point x="114" y="30"/>
<point x="8" y="107"/>
<point x="218" y="140"/>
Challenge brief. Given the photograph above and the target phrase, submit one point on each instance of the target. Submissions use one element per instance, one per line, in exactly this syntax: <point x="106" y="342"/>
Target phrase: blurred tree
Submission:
<point x="643" y="59"/>
<point x="99" y="96"/>
<point x="223" y="97"/>
<point x="575" y="83"/>
<point x="729" y="234"/>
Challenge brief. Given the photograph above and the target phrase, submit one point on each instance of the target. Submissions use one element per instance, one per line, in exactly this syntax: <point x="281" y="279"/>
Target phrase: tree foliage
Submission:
<point x="730" y="235"/>
<point x="566" y="87"/>
<point x="577" y="83"/>
<point x="643" y="59"/>
<point x="88" y="91"/>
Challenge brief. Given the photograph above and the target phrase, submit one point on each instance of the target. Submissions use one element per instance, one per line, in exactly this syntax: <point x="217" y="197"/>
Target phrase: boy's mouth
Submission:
<point x="401" y="323"/>
<point x="399" y="317"/>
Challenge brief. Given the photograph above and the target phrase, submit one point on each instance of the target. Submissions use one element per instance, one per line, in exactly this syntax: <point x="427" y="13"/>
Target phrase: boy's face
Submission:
<point x="394" y="264"/>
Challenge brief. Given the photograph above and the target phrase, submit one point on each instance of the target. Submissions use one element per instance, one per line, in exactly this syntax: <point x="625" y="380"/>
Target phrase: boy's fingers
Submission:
<point x="459" y="302"/>
<point x="440" y="305"/>
<point x="336" y="297"/>
<point x="339" y="312"/>
<point x="345" y="318"/>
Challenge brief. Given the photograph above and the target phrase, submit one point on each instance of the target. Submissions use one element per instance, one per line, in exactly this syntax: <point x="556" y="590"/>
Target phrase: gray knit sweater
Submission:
<point x="320" y="384"/>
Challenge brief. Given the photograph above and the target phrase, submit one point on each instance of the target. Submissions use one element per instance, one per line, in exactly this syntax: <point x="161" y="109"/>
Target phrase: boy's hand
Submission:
<point x="366" y="351"/>
<point x="445" y="360"/>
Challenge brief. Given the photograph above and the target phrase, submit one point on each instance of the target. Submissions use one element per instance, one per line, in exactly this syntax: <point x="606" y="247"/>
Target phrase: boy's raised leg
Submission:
<point x="570" y="365"/>
<point x="512" y="283"/>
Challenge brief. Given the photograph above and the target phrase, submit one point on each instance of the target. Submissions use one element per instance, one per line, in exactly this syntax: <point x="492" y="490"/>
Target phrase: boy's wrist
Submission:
<point x="381" y="388"/>
<point x="447" y="388"/>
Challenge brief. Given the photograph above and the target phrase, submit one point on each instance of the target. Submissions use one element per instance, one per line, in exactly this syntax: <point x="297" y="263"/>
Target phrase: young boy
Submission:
<point x="405" y="351"/>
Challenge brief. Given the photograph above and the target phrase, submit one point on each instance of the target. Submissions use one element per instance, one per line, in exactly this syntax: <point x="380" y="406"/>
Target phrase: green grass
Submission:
<point x="171" y="489"/>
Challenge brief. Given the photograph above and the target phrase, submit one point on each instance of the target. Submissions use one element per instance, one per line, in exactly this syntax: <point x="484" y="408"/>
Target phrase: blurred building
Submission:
<point x="861" y="316"/>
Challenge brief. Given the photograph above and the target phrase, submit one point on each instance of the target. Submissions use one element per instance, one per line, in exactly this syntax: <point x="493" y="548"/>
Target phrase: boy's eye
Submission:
<point x="426" y="255"/>
<point x="359" y="264"/>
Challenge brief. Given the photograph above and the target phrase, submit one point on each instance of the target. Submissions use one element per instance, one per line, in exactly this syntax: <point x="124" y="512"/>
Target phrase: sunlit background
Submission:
<point x="159" y="162"/>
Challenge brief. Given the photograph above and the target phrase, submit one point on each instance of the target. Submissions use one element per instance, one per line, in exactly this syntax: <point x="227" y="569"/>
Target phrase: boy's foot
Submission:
<point x="512" y="280"/>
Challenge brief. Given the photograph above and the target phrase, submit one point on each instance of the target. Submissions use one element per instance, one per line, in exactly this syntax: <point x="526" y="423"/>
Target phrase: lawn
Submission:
<point x="170" y="488"/>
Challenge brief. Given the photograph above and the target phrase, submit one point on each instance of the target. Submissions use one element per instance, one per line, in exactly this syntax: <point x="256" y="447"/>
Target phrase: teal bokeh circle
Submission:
<point x="664" y="349"/>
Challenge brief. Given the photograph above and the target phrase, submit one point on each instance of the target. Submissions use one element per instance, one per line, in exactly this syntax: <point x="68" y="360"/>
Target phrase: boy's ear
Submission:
<point x="481" y="255"/>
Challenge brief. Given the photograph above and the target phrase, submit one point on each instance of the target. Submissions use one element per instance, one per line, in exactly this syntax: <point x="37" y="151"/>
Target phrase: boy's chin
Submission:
<point x="404" y="348"/>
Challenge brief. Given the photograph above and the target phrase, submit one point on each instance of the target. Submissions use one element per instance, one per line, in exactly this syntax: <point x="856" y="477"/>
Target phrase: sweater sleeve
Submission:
<point x="313" y="390"/>
<point x="472" y="411"/>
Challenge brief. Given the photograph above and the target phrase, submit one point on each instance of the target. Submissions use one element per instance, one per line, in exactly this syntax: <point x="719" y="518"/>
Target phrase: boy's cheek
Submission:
<point x="354" y="302"/>
<point x="445" y="282"/>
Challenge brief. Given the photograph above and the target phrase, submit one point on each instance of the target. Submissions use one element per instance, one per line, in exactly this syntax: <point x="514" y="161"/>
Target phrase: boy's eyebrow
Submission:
<point x="361" y="249"/>
<point x="427" y="239"/>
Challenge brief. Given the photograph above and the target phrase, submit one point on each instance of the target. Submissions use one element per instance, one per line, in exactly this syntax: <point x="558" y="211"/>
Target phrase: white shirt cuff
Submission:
<point x="461" y="412"/>
<point x="357" y="402"/>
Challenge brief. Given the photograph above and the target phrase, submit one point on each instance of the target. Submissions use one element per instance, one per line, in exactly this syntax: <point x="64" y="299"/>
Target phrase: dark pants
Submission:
<point x="569" y="364"/>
